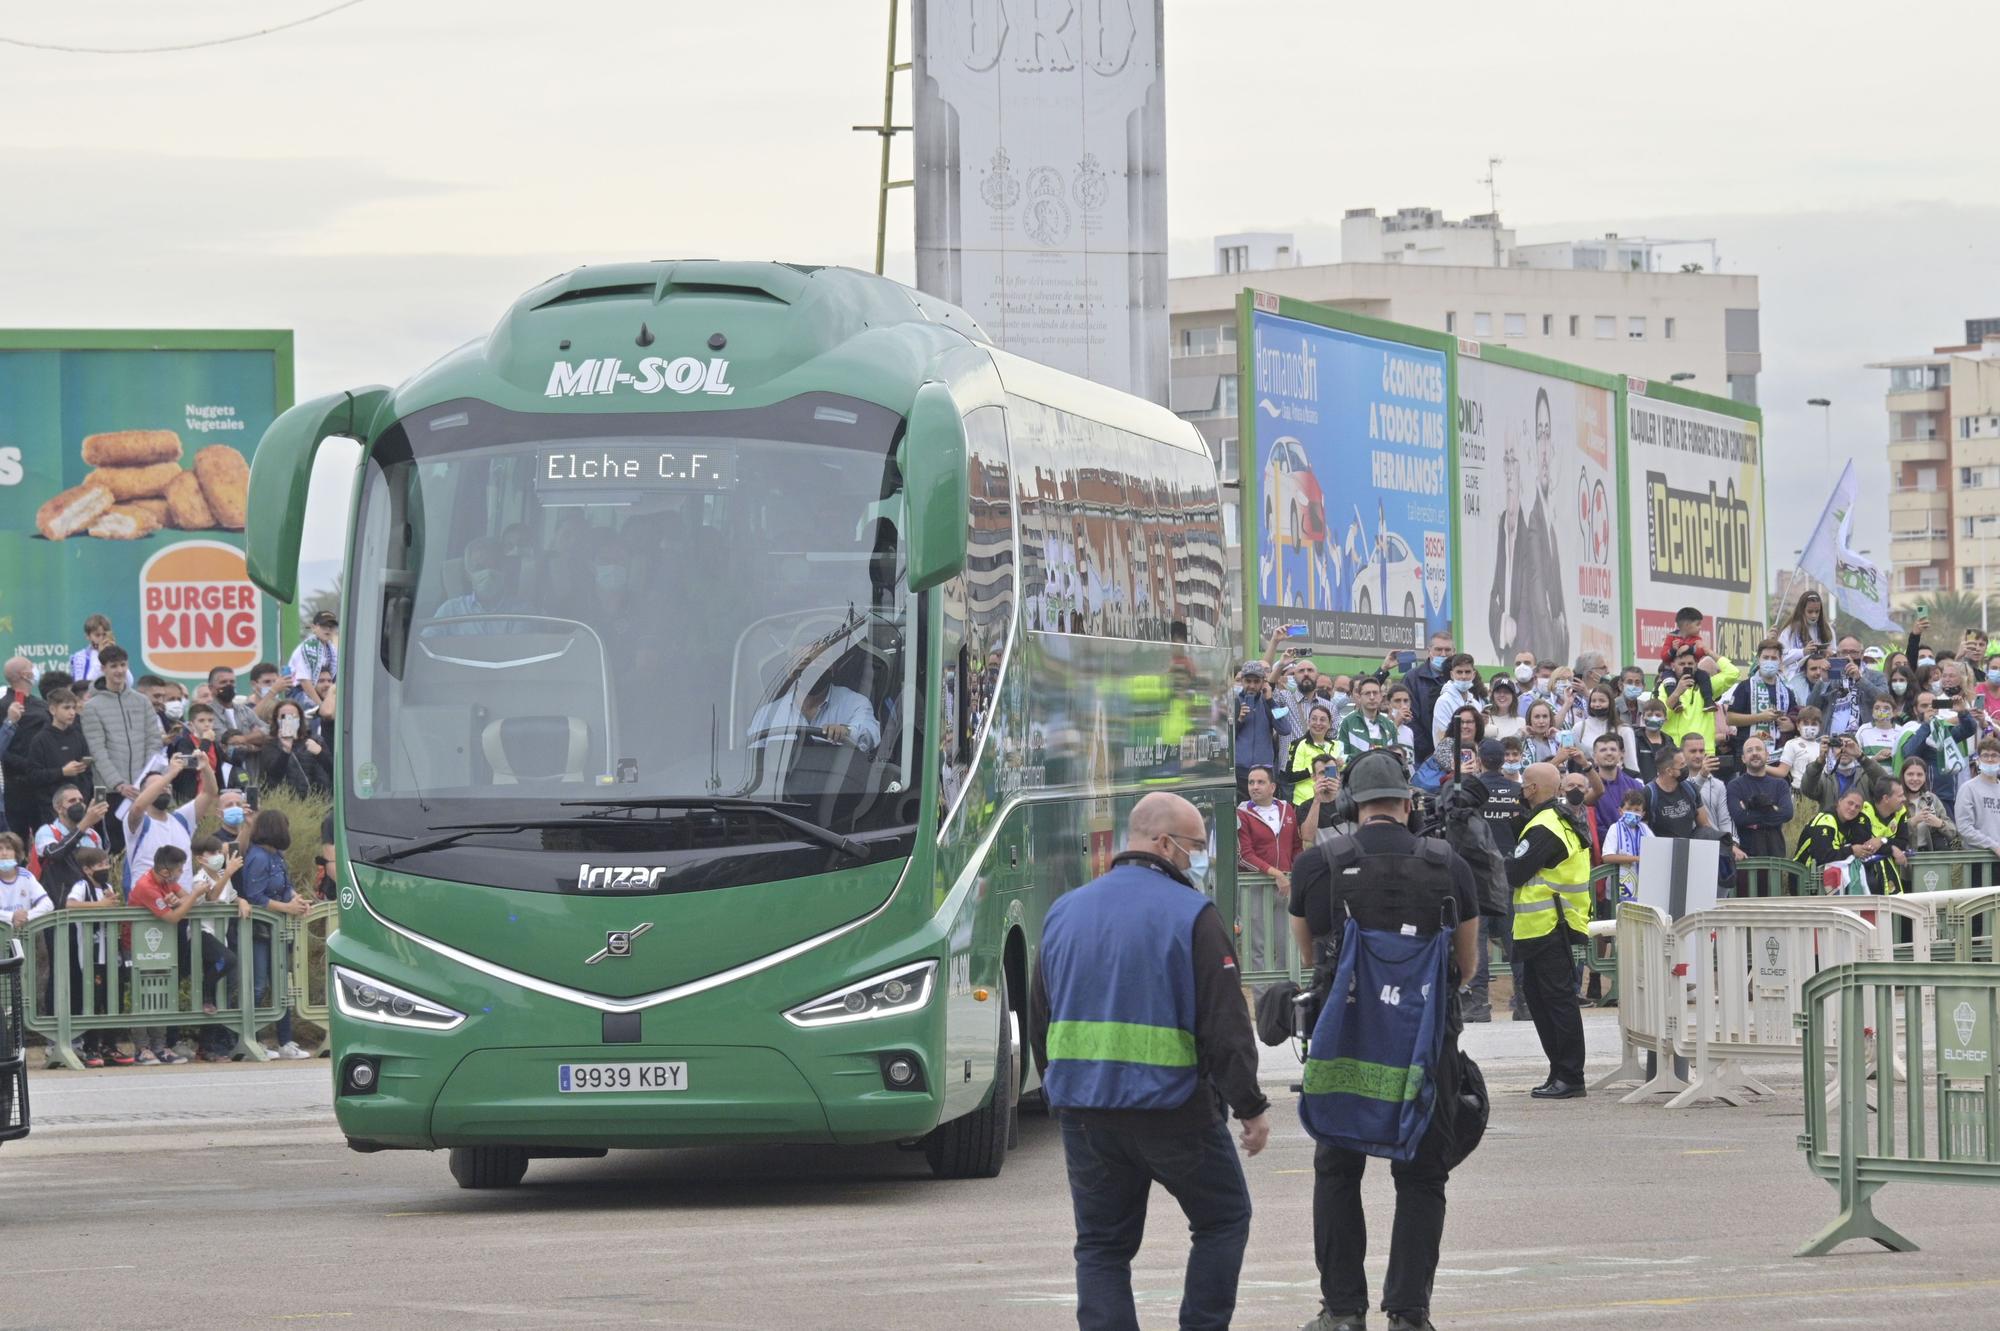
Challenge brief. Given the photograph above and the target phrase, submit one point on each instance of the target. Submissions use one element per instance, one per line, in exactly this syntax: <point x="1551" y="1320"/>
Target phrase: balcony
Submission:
<point x="1918" y="450"/>
<point x="1919" y="547"/>
<point x="1928" y="399"/>
<point x="1920" y="508"/>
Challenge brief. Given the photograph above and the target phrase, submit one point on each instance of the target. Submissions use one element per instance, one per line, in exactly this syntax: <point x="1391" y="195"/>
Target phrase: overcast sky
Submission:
<point x="387" y="179"/>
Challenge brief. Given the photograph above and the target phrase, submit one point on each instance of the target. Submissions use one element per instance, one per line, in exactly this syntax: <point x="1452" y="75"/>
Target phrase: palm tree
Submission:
<point x="326" y="598"/>
<point x="1951" y="614"/>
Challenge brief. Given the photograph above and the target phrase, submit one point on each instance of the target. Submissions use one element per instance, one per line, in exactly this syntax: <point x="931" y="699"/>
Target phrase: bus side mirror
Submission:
<point x="934" y="487"/>
<point x="281" y="473"/>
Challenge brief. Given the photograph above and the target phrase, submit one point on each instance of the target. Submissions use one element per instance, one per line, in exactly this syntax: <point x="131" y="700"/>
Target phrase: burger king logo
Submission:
<point x="198" y="609"/>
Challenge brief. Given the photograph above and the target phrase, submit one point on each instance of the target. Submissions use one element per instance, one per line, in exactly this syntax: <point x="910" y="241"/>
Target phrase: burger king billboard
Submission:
<point x="198" y="609"/>
<point x="124" y="473"/>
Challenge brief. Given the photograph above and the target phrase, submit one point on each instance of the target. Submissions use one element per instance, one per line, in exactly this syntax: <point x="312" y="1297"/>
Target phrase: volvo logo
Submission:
<point x="617" y="943"/>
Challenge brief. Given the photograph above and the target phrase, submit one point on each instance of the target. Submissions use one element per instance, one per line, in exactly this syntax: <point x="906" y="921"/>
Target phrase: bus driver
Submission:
<point x="836" y="712"/>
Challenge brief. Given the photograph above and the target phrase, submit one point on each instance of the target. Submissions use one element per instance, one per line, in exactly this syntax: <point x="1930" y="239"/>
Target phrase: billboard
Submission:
<point x="1040" y="179"/>
<point x="124" y="466"/>
<point x="1537" y="509"/>
<point x="1694" y="478"/>
<point x="1347" y="464"/>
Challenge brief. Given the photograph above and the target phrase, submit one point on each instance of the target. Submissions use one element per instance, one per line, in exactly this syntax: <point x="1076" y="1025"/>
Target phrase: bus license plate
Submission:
<point x="578" y="1077"/>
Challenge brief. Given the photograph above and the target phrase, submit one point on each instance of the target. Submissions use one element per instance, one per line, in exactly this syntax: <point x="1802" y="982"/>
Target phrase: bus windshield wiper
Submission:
<point x="826" y="836"/>
<point x="458" y="832"/>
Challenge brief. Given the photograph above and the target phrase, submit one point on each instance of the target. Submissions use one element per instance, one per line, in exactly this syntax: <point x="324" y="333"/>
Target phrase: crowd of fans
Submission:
<point x="1823" y="749"/>
<point x="124" y="791"/>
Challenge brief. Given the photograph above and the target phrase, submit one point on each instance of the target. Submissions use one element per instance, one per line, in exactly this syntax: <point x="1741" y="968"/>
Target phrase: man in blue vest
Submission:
<point x="1138" y="1024"/>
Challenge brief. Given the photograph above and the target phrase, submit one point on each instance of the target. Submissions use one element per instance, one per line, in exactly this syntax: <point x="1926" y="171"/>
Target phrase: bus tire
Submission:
<point x="975" y="1146"/>
<point x="488" y="1166"/>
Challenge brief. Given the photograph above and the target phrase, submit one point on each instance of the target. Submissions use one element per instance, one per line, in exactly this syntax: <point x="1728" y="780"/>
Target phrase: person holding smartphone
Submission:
<point x="1840" y="767"/>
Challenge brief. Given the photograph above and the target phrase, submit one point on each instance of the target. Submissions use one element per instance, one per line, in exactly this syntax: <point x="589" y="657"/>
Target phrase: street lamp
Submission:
<point x="1825" y="404"/>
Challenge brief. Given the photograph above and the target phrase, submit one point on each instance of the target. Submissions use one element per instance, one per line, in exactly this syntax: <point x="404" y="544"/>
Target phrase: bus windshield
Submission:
<point x="637" y="633"/>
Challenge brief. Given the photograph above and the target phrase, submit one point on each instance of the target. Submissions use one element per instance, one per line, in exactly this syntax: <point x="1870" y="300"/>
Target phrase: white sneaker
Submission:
<point x="290" y="1049"/>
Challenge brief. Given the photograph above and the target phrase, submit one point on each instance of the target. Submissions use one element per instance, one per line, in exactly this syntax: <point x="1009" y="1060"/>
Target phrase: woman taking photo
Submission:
<point x="1930" y="822"/>
<point x="1319" y="740"/>
<point x="290" y="756"/>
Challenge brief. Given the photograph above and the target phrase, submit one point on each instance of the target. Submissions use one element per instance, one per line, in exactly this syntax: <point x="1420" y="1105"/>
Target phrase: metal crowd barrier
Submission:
<point x="1265" y="953"/>
<point x="1650" y="1004"/>
<point x="1748" y="963"/>
<point x="306" y="936"/>
<point x="129" y="966"/>
<point x="1948" y="1128"/>
<point x="1951" y="870"/>
<point x="1969" y="925"/>
<point x="13" y="1050"/>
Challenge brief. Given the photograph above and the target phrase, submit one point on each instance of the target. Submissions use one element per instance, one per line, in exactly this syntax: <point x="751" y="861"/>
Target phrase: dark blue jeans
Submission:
<point x="1111" y="1172"/>
<point x="260" y="952"/>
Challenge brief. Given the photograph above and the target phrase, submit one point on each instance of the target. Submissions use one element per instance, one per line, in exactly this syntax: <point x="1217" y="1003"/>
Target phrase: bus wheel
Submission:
<point x="488" y="1166"/>
<point x="975" y="1146"/>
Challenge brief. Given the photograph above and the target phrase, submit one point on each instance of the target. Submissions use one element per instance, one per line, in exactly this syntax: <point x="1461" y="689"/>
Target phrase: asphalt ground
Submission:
<point x="224" y="1197"/>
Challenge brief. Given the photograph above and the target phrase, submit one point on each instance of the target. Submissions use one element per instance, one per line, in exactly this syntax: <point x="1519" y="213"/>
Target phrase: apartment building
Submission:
<point x="1944" y="464"/>
<point x="1621" y="306"/>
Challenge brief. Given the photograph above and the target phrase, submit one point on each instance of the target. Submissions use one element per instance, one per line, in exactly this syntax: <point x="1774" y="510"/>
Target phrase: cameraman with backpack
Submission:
<point x="1382" y="879"/>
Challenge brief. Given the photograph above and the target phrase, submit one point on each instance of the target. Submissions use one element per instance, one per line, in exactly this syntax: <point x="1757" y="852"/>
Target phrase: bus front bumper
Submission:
<point x="731" y="1094"/>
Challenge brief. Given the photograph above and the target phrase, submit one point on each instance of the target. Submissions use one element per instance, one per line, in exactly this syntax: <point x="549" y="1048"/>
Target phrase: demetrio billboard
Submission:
<point x="124" y="467"/>
<point x="1694" y="469"/>
<point x="1398" y="480"/>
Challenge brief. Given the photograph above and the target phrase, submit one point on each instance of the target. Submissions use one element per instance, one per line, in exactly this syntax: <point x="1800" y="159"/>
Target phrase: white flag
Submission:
<point x="1859" y="586"/>
<point x="1820" y="560"/>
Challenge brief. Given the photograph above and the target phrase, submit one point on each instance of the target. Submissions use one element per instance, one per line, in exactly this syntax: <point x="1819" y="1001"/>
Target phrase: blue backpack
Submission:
<point x="1371" y="1074"/>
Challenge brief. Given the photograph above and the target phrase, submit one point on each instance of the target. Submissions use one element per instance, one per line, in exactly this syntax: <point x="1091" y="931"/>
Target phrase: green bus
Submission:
<point x="737" y="659"/>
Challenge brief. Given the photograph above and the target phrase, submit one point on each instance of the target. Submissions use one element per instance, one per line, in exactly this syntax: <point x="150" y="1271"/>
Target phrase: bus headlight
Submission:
<point x="887" y="995"/>
<point x="365" y="998"/>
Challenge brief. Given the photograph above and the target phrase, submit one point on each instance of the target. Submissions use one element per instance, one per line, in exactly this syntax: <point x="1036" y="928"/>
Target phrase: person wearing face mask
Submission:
<point x="1652" y="734"/>
<point x="89" y="876"/>
<point x="488" y="592"/>
<point x="234" y="710"/>
<point x="21" y="895"/>
<point x="1265" y="723"/>
<point x="76" y="827"/>
<point x="1976" y="812"/>
<point x="1600" y="718"/>
<point x="1931" y="826"/>
<point x="1141" y="955"/>
<point x="199" y="734"/>
<point x="152" y="820"/>
<point x="1550" y="874"/>
<point x="1760" y="804"/>
<point x="1625" y="836"/>
<point x="1943" y="735"/>
<point x="1986" y="693"/>
<point x="1759" y="704"/>
<point x="214" y="863"/>
<point x="1629" y="695"/>
<point x="1672" y="809"/>
<point x="1426" y="679"/>
<point x="292" y="757"/>
<point x="1880" y="736"/>
<point x="1801" y="749"/>
<point x="1338" y="693"/>
<point x="1460" y="689"/>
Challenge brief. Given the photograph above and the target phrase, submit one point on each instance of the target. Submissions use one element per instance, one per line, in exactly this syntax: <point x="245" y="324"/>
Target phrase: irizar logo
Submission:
<point x="685" y="374"/>
<point x="604" y="878"/>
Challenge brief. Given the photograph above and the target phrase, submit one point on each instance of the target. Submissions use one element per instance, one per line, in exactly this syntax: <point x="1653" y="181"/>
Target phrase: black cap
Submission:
<point x="1491" y="754"/>
<point x="327" y="619"/>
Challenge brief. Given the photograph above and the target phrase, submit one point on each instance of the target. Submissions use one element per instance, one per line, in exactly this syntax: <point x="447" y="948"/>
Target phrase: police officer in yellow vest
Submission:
<point x="1550" y="874"/>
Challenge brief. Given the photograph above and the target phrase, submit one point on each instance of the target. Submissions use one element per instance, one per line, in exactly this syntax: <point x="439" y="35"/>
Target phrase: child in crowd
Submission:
<point x="1801" y="748"/>
<point x="1623" y="841"/>
<point x="1687" y="633"/>
<point x="92" y="947"/>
